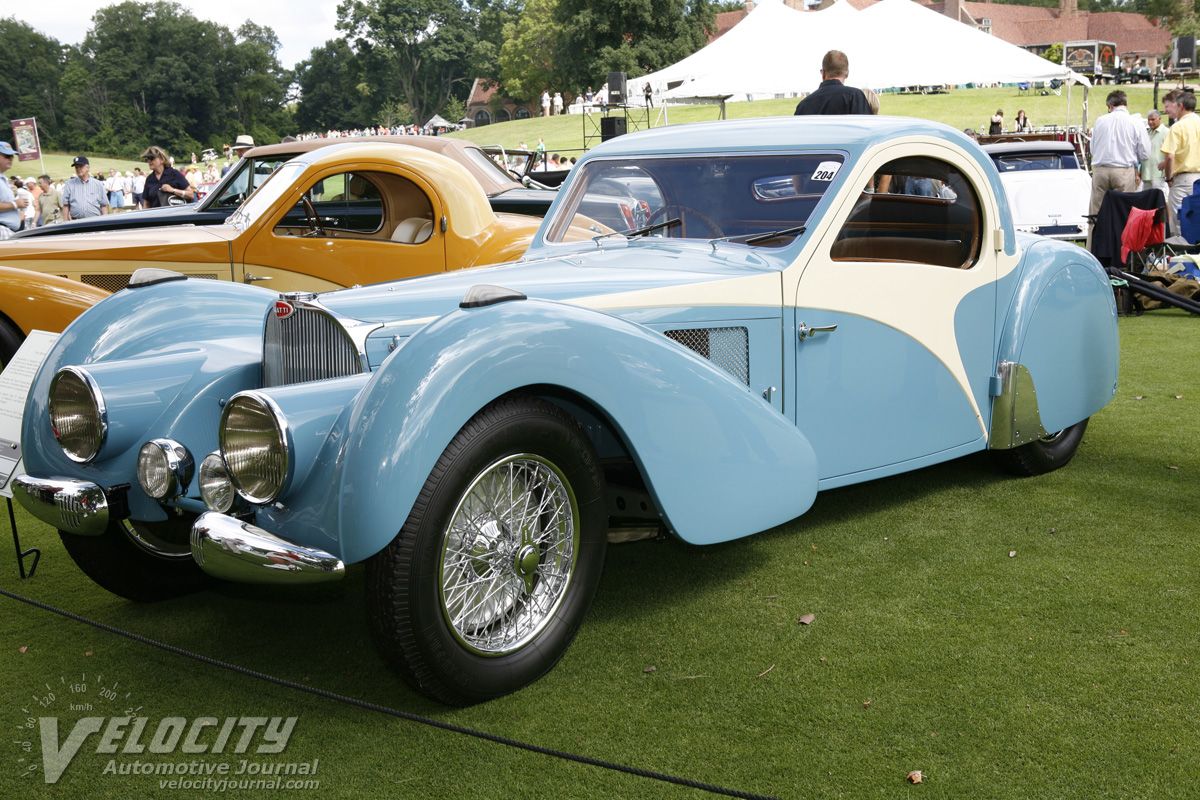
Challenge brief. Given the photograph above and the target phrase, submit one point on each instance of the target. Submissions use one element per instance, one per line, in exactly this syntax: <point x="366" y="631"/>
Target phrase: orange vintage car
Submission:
<point x="342" y="215"/>
<point x="38" y="302"/>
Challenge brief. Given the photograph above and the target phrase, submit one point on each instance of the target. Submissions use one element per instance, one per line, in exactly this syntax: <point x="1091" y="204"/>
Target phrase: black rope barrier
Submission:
<point x="446" y="726"/>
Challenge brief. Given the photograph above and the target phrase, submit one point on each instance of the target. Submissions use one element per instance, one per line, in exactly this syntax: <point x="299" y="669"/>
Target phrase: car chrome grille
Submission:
<point x="728" y="348"/>
<point x="308" y="345"/>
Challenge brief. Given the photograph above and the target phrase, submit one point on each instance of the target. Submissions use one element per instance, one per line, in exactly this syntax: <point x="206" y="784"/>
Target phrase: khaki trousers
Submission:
<point x="1122" y="179"/>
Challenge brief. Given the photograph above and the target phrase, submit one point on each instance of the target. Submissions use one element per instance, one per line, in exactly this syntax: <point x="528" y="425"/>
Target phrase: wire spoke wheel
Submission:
<point x="489" y="579"/>
<point x="509" y="554"/>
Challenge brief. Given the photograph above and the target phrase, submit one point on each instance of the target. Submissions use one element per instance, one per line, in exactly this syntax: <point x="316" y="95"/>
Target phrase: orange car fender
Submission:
<point x="34" y="301"/>
<point x="505" y="239"/>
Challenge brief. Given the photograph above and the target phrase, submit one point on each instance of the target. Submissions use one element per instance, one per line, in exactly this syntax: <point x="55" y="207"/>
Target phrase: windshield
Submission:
<point x="1036" y="161"/>
<point x="242" y="179"/>
<point x="707" y="197"/>
<point x="490" y="169"/>
<point x="269" y="192"/>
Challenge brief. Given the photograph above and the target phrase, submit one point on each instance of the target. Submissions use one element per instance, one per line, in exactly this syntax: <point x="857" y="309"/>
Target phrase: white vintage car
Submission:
<point x="1047" y="186"/>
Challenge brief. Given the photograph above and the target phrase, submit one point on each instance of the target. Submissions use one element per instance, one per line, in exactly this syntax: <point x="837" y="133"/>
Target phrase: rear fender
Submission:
<point x="719" y="462"/>
<point x="1062" y="328"/>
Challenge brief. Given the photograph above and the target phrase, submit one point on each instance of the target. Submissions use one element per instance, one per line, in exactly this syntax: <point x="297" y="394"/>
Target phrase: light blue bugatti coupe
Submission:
<point x="797" y="304"/>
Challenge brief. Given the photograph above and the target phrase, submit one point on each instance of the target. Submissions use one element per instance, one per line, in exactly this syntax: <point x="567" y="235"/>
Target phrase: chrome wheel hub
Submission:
<point x="509" y="554"/>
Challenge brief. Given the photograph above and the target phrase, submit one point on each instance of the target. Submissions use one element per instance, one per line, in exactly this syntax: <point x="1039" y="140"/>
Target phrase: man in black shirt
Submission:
<point x="833" y="96"/>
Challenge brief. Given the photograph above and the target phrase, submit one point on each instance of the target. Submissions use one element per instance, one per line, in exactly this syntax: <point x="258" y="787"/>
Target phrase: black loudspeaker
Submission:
<point x="611" y="127"/>
<point x="1183" y="54"/>
<point x="616" y="89"/>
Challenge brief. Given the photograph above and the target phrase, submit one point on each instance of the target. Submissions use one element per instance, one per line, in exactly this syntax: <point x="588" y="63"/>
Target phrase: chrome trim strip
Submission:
<point x="69" y="505"/>
<point x="228" y="548"/>
<point x="1015" y="416"/>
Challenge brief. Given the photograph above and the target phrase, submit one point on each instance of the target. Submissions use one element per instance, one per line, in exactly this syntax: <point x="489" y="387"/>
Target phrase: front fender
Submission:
<point x="718" y="460"/>
<point x="165" y="356"/>
<point x="1062" y="327"/>
<point x="34" y="301"/>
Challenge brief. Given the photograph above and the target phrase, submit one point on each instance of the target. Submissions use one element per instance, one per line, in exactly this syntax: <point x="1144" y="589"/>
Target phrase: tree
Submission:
<point x="491" y="29"/>
<point x="422" y="47"/>
<point x="631" y="36"/>
<point x="328" y="97"/>
<point x="1054" y="53"/>
<point x="527" y="56"/>
<point x="258" y="82"/>
<point x="33" y="65"/>
<point x="152" y="73"/>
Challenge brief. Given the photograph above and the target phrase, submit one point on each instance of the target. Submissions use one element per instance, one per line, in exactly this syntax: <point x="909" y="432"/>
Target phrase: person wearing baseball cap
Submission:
<point x="10" y="205"/>
<point x="83" y="196"/>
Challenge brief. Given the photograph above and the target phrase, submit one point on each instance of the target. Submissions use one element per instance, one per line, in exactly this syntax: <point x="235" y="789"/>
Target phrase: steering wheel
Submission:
<point x="314" y="222"/>
<point x="687" y="215"/>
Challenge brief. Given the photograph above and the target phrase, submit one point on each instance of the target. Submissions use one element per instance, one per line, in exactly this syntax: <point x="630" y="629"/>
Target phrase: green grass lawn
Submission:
<point x="961" y="108"/>
<point x="1011" y="638"/>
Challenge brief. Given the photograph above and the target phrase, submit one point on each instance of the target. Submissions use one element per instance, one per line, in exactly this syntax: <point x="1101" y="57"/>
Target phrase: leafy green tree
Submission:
<point x="424" y="48"/>
<point x="527" y="64"/>
<point x="258" y="82"/>
<point x="494" y="19"/>
<point x="328" y="94"/>
<point x="1054" y="53"/>
<point x="454" y="110"/>
<point x="33" y="65"/>
<point x="152" y="73"/>
<point x="632" y="36"/>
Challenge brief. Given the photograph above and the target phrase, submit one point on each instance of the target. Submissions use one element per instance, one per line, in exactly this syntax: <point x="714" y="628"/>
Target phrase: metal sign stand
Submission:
<point x="37" y="554"/>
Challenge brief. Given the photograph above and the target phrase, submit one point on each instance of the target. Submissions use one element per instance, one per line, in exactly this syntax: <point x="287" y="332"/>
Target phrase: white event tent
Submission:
<point x="777" y="50"/>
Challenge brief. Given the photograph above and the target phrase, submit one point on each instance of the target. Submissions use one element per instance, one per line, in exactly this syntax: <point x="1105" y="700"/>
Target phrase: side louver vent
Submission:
<point x="728" y="348"/>
<point x="307" y="345"/>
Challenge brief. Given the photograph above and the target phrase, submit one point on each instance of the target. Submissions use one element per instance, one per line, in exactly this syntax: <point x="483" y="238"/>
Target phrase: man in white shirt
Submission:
<point x="1119" y="145"/>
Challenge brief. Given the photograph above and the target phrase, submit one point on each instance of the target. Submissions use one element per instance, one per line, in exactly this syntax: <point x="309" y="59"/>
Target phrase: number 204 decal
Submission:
<point x="826" y="171"/>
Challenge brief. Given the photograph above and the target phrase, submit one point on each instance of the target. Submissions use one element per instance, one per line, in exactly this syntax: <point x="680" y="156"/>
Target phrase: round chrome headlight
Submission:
<point x="77" y="414"/>
<point x="254" y="444"/>
<point x="215" y="486"/>
<point x="164" y="469"/>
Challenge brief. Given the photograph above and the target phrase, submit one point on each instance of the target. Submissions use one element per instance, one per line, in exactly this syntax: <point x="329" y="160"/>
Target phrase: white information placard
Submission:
<point x="15" y="381"/>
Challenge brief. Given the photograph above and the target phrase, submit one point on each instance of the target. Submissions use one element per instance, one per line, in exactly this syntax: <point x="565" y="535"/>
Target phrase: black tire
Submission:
<point x="437" y="626"/>
<point x="144" y="562"/>
<point x="1044" y="455"/>
<point x="10" y="340"/>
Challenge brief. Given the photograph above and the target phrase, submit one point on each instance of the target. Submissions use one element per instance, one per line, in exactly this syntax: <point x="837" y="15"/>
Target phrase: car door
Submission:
<point x="895" y="316"/>
<point x="368" y="231"/>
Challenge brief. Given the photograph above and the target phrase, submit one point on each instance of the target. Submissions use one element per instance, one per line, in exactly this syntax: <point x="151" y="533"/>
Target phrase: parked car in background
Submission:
<point x="31" y="301"/>
<point x="775" y="328"/>
<point x="341" y="215"/>
<point x="1048" y="186"/>
<point x="248" y="173"/>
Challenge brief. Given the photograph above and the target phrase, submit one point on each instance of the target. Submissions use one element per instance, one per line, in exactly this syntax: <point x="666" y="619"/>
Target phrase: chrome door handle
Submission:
<point x="252" y="278"/>
<point x="804" y="331"/>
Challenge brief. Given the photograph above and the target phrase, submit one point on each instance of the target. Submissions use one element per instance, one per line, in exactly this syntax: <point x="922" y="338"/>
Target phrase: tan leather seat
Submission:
<point x="413" y="230"/>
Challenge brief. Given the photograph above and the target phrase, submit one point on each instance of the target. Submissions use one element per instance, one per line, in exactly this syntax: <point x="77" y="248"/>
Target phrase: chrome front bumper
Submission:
<point x="228" y="548"/>
<point x="67" y="504"/>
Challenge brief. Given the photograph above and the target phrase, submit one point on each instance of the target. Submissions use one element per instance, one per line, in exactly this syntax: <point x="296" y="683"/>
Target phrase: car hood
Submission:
<point x="82" y="244"/>
<point x="586" y="271"/>
<point x="172" y="215"/>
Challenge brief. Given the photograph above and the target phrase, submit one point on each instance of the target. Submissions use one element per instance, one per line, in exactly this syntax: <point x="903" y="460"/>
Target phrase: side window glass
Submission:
<point x="347" y="201"/>
<point x="914" y="210"/>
